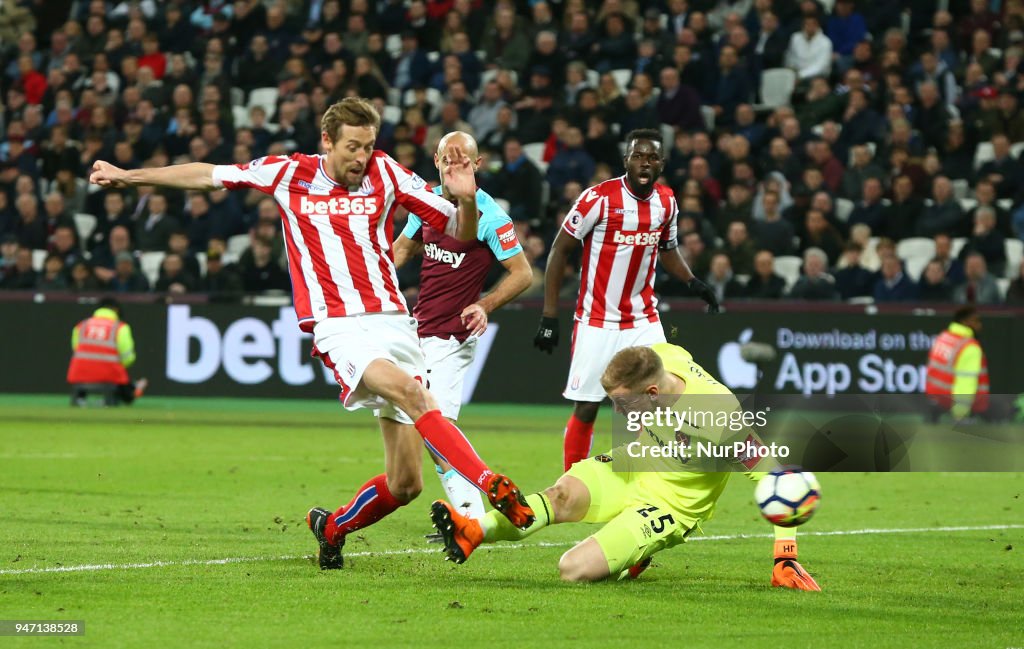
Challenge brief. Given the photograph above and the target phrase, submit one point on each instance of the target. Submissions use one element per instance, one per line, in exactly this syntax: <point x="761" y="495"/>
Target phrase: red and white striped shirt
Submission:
<point x="339" y="242"/>
<point x="621" y="236"/>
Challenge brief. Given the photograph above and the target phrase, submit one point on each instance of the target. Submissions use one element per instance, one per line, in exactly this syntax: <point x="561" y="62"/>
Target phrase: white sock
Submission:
<point x="463" y="494"/>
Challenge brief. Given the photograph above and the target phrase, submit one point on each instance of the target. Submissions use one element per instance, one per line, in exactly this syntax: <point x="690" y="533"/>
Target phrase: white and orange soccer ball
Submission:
<point x="788" y="497"/>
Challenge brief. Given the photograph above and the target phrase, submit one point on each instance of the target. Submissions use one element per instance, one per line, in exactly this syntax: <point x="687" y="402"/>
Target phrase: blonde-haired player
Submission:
<point x="646" y="505"/>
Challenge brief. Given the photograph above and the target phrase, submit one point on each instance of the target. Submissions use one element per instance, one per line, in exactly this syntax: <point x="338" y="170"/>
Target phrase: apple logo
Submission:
<point x="736" y="372"/>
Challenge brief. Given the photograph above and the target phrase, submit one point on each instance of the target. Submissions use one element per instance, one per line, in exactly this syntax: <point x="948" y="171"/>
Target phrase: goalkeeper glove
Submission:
<point x="788" y="573"/>
<point x="704" y="292"/>
<point x="547" y="335"/>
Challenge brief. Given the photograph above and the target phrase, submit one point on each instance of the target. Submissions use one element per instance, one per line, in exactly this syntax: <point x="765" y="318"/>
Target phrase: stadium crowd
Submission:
<point x="848" y="151"/>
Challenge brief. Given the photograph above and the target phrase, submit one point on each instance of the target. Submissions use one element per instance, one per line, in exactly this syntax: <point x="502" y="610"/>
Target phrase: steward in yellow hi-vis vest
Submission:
<point x="102" y="351"/>
<point x="957" y="376"/>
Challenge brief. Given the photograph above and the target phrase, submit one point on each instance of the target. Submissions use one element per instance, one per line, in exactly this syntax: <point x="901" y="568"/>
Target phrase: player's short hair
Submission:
<point x="351" y="111"/>
<point x="643" y="134"/>
<point x="110" y="303"/>
<point x="632" y="368"/>
<point x="964" y="313"/>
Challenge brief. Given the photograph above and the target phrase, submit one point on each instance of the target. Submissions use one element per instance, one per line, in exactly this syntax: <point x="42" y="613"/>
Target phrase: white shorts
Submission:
<point x="592" y="350"/>
<point x="447" y="362"/>
<point x="348" y="345"/>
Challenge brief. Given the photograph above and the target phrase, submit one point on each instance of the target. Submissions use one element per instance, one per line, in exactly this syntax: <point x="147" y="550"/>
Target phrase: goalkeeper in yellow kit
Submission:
<point x="649" y="506"/>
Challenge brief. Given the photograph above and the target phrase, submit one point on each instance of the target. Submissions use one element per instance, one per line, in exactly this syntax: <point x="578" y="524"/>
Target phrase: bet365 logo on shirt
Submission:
<point x="338" y="206"/>
<point x="635" y="238"/>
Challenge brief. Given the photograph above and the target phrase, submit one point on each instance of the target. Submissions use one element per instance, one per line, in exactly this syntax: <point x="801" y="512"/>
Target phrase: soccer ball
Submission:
<point x="788" y="497"/>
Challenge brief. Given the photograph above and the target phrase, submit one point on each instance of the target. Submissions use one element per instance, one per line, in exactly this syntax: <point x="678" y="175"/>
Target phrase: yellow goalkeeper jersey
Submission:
<point x="707" y="414"/>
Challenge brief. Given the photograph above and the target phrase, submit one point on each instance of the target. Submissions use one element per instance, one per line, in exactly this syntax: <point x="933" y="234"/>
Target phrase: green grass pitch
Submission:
<point x="179" y="523"/>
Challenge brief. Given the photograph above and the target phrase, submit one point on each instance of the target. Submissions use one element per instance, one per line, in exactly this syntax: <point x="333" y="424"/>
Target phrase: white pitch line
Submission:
<point x="504" y="546"/>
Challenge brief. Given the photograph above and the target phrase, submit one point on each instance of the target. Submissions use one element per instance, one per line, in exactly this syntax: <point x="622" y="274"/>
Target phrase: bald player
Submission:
<point x="450" y="311"/>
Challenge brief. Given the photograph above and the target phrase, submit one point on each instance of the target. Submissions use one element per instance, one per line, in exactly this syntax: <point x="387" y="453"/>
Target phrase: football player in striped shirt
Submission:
<point x="337" y="211"/>
<point x="625" y="225"/>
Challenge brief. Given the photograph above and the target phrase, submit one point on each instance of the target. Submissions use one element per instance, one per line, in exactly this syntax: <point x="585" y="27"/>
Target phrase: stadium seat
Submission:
<point x="237" y="244"/>
<point x="967" y="204"/>
<point x="983" y="154"/>
<point x="593" y="78"/>
<point x="915" y="247"/>
<point x="265" y="97"/>
<point x="843" y="208"/>
<point x="1014" y="255"/>
<point x="708" y="113"/>
<point x="38" y="257"/>
<point x="1016" y="149"/>
<point x="668" y="136"/>
<point x="433" y="56"/>
<point x="241" y="116"/>
<point x="85" y="224"/>
<point x="237" y="97"/>
<point x="961" y="188"/>
<point x="788" y="267"/>
<point x="487" y="76"/>
<point x="535" y="152"/>
<point x="1005" y="204"/>
<point x="956" y="245"/>
<point x="201" y="259"/>
<point x="392" y="114"/>
<point x="503" y="204"/>
<point x="777" y="87"/>
<point x="622" y="77"/>
<point x="393" y="44"/>
<point x="150" y="266"/>
<point x="434" y="98"/>
<point x="1004" y="286"/>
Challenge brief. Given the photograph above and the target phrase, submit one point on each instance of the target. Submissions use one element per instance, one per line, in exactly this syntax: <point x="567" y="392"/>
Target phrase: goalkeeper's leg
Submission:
<point x="628" y="540"/>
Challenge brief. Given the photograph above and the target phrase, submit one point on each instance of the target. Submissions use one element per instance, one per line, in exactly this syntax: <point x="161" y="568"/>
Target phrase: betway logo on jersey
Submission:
<point x="437" y="253"/>
<point x="337" y="206"/>
<point x="635" y="238"/>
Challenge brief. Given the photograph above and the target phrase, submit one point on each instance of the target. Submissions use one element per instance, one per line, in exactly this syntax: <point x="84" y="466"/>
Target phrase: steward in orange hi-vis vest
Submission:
<point x="102" y="351"/>
<point x="957" y="376"/>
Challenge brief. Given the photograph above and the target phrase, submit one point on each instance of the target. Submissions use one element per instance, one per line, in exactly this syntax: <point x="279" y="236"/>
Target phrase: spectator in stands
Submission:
<point x="1006" y="119"/>
<point x="450" y="121"/>
<point x="23" y="276"/>
<point x="678" y="105"/>
<point x="616" y="48"/>
<point x="952" y="266"/>
<point x="520" y="183"/>
<point x="738" y="207"/>
<point x="764" y="284"/>
<point x="934" y="287"/>
<point x="773" y="233"/>
<point x="893" y="285"/>
<point x="483" y="118"/>
<point x="739" y="248"/>
<point x="831" y="168"/>
<point x="901" y="216"/>
<point x="222" y="281"/>
<point x="979" y="287"/>
<point x="815" y="283"/>
<point x="572" y="162"/>
<point x="1015" y="294"/>
<point x="1002" y="170"/>
<point x="82" y="279"/>
<point x="944" y="214"/>
<point x="987" y="241"/>
<point x="411" y="65"/>
<point x="126" y="277"/>
<point x="985" y="195"/>
<point x="957" y="155"/>
<point x="173" y="276"/>
<point x="821" y="235"/>
<point x="31" y="226"/>
<point x="721" y="279"/>
<point x="852" y="278"/>
<point x="53" y="277"/>
<point x="846" y="28"/>
<point x="930" y="69"/>
<point x="8" y="255"/>
<point x="697" y="256"/>
<point x="260" y="271"/>
<point x="810" y="51"/>
<point x="732" y="86"/>
<point x="862" y="167"/>
<point x="153" y="231"/>
<point x="861" y="123"/>
<point x="870" y="210"/>
<point x="504" y="43"/>
<point x="178" y="243"/>
<point x="63" y="243"/>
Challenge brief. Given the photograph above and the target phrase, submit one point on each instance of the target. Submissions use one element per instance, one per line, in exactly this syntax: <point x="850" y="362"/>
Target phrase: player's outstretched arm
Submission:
<point x="518" y="279"/>
<point x="405" y="249"/>
<point x="674" y="263"/>
<point x="193" y="175"/>
<point x="547" y="334"/>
